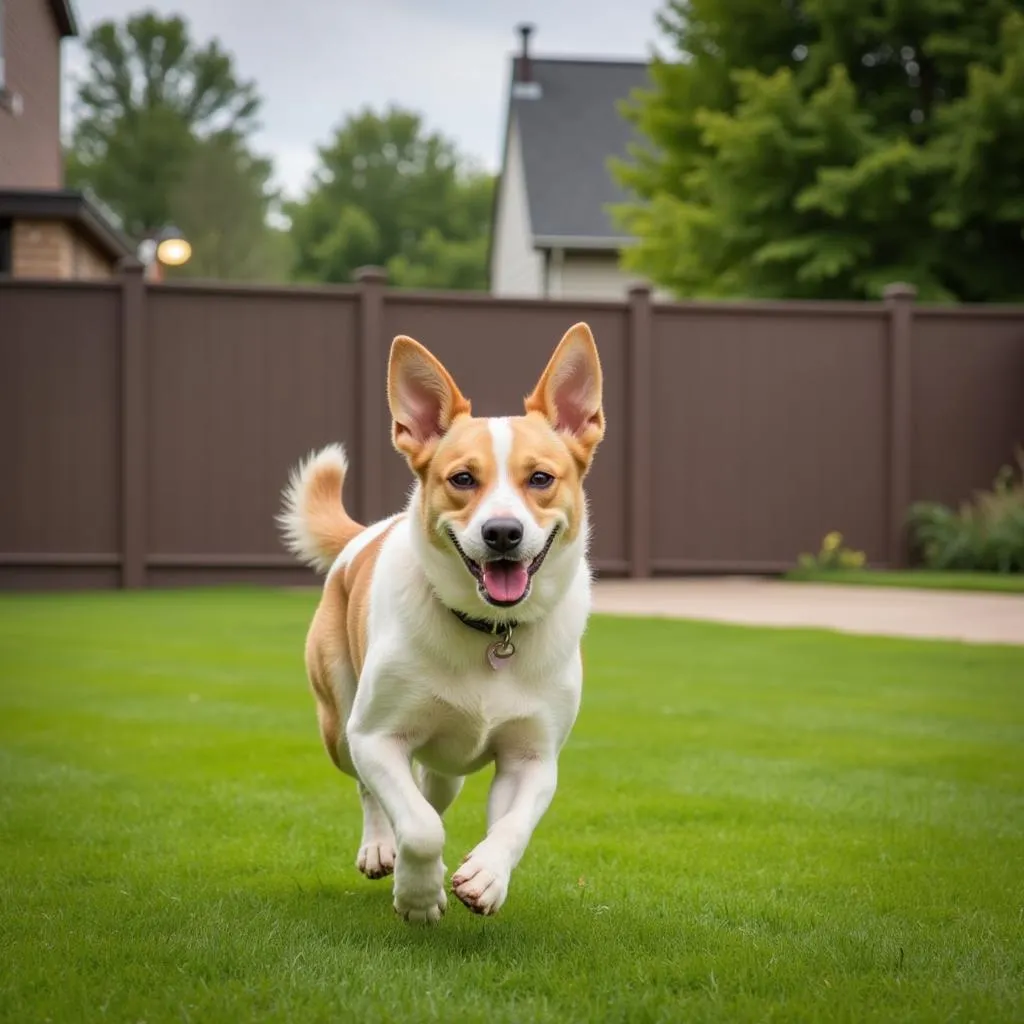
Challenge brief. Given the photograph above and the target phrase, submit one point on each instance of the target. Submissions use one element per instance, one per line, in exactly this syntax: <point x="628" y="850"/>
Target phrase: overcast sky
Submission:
<point x="316" y="60"/>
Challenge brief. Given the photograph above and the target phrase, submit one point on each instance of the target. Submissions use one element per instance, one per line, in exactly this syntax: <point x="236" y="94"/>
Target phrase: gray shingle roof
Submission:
<point x="567" y="136"/>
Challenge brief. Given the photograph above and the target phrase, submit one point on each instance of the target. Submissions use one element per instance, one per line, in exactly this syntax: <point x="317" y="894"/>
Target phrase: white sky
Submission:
<point x="316" y="60"/>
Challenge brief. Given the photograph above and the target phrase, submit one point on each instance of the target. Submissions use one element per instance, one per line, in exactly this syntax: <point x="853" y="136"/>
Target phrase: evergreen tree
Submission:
<point x="824" y="148"/>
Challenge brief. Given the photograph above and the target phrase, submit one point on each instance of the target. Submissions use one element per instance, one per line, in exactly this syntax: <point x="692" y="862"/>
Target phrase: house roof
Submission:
<point x="71" y="207"/>
<point x="64" y="15"/>
<point x="567" y="134"/>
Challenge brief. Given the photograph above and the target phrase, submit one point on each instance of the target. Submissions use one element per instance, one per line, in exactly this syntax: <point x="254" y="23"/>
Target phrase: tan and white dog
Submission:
<point x="448" y="636"/>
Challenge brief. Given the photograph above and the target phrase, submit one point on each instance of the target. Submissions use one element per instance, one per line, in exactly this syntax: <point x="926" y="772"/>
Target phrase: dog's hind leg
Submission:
<point x="440" y="790"/>
<point x="376" y="857"/>
<point x="333" y="682"/>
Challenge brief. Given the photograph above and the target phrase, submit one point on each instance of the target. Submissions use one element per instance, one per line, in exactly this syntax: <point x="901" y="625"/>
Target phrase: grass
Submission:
<point x="751" y="825"/>
<point x="1005" y="583"/>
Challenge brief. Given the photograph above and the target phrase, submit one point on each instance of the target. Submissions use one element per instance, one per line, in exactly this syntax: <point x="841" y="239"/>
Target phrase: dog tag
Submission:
<point x="500" y="654"/>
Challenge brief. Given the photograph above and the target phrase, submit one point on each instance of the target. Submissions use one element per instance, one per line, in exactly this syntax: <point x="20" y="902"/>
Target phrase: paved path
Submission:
<point x="882" y="611"/>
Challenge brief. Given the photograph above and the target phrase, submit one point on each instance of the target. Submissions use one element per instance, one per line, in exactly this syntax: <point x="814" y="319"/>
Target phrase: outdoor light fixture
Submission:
<point x="164" y="248"/>
<point x="171" y="248"/>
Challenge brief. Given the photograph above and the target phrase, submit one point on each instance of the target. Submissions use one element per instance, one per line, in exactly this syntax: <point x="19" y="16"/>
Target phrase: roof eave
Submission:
<point x="605" y="243"/>
<point x="69" y="206"/>
<point x="64" y="15"/>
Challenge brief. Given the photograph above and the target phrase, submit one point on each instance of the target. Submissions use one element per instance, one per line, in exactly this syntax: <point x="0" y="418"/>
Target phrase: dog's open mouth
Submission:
<point x="504" y="581"/>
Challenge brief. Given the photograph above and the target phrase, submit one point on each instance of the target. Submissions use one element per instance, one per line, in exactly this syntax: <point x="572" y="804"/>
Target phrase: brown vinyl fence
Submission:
<point x="146" y="431"/>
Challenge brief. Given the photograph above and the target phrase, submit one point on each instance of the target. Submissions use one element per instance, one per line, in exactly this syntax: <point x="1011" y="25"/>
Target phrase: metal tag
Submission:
<point x="500" y="653"/>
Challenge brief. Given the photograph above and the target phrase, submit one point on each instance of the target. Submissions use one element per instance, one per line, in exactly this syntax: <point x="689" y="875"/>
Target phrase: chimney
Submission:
<point x="524" y="71"/>
<point x="524" y="87"/>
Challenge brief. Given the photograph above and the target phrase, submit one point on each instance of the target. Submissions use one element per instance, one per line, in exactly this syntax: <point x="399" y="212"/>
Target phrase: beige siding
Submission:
<point x="590" y="276"/>
<point x="30" y="154"/>
<point x="87" y="262"/>
<point x="41" y="249"/>
<point x="53" y="249"/>
<point x="517" y="269"/>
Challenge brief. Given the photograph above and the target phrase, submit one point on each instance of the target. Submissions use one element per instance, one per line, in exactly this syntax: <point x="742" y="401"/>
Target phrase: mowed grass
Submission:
<point x="751" y="825"/>
<point x="918" y="579"/>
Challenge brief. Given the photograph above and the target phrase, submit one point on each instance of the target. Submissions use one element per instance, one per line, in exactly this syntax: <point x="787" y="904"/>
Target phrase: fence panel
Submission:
<point x="241" y="385"/>
<point x="769" y="429"/>
<point x="967" y="399"/>
<point x="59" y="435"/>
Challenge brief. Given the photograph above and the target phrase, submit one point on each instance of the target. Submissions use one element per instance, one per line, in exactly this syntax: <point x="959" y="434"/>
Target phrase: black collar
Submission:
<point x="484" y="625"/>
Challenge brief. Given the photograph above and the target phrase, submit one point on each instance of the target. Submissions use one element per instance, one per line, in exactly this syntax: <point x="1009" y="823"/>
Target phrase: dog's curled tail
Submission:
<point x="313" y="521"/>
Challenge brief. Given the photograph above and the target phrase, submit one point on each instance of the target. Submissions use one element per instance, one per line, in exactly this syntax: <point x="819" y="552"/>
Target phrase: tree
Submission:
<point x="814" y="149"/>
<point x="149" y="94"/>
<point x="221" y="205"/>
<point x="437" y="262"/>
<point x="387" y="192"/>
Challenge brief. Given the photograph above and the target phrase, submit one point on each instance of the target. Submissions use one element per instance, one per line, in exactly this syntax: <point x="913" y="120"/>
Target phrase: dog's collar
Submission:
<point x="485" y="625"/>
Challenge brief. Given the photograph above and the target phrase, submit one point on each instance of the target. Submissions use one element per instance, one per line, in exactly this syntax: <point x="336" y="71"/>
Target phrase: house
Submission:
<point x="46" y="231"/>
<point x="552" y="235"/>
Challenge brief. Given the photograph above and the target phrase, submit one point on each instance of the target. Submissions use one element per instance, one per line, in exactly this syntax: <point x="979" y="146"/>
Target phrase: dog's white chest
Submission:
<point x="462" y="724"/>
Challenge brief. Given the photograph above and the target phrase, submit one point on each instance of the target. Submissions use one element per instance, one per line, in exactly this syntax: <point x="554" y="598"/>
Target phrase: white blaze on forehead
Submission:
<point x="503" y="492"/>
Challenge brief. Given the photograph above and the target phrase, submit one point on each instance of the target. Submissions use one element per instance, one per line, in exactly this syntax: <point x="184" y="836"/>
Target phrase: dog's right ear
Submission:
<point x="424" y="400"/>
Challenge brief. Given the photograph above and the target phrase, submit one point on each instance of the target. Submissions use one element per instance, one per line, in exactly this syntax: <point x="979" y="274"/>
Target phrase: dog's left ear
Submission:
<point x="423" y="397"/>
<point x="568" y="393"/>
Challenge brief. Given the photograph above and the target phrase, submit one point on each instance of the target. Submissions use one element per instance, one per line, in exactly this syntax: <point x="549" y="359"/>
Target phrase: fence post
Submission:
<point x="638" y="355"/>
<point x="372" y="371"/>
<point x="899" y="301"/>
<point x="133" y="426"/>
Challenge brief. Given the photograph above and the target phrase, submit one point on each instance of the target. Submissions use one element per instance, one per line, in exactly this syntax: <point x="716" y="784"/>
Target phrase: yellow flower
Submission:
<point x="832" y="541"/>
<point x="858" y="559"/>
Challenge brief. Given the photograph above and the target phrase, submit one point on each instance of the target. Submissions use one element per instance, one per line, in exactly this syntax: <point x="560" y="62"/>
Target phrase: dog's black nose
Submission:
<point x="502" y="536"/>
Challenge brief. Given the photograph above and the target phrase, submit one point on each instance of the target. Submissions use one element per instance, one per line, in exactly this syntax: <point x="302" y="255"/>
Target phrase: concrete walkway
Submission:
<point x="880" y="611"/>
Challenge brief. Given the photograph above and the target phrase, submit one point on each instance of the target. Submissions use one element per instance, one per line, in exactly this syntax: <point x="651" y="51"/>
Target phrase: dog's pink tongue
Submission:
<point x="505" y="581"/>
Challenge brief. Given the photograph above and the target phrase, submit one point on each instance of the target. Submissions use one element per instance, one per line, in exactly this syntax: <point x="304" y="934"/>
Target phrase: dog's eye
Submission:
<point x="462" y="480"/>
<point x="540" y="480"/>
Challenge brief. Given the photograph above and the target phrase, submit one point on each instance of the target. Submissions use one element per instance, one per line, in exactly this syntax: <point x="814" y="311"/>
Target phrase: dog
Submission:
<point x="447" y="637"/>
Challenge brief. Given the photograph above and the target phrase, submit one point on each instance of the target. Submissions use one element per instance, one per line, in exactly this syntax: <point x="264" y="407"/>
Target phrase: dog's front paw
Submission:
<point x="419" y="891"/>
<point x="481" y="883"/>
<point x="376" y="859"/>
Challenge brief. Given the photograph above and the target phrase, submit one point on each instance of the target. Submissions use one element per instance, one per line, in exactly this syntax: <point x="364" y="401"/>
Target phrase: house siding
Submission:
<point x="591" y="276"/>
<point x="517" y="269"/>
<point x="87" y="262"/>
<point x="50" y="249"/>
<point x="30" y="155"/>
<point x="41" y="249"/>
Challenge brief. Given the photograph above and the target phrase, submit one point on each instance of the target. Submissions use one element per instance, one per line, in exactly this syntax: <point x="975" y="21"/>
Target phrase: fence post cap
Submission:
<point x="130" y="265"/>
<point x="639" y="288"/>
<point x="899" y="290"/>
<point x="371" y="275"/>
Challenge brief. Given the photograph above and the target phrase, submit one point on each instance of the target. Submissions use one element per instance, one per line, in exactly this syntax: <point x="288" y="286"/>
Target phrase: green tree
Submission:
<point x="824" y="148"/>
<point x="437" y="262"/>
<point x="390" y="193"/>
<point x="150" y="92"/>
<point x="221" y="205"/>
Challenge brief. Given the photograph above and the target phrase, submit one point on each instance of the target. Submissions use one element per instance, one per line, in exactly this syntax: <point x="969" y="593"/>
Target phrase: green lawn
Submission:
<point x="751" y="826"/>
<point x="1006" y="583"/>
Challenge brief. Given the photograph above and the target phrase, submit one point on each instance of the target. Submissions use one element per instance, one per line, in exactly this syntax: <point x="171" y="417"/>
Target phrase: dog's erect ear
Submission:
<point x="568" y="393"/>
<point x="423" y="398"/>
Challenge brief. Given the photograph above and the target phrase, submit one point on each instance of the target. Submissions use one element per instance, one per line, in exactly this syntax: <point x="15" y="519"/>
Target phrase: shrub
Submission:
<point x="833" y="555"/>
<point x="984" y="535"/>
